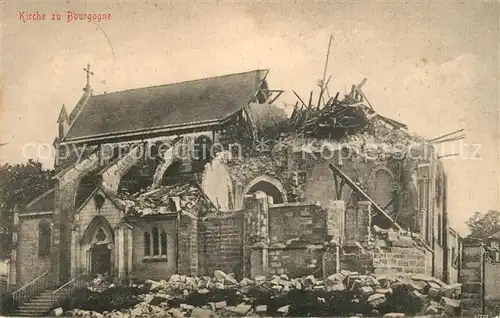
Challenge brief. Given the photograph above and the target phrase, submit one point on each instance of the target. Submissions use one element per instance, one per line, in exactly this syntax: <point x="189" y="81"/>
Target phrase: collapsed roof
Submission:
<point x="167" y="199"/>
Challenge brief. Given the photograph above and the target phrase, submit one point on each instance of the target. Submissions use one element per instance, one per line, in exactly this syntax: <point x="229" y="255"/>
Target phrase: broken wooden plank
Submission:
<point x="460" y="137"/>
<point x="275" y="98"/>
<point x="310" y="100"/>
<point x="299" y="98"/>
<point x="353" y="185"/>
<point x="322" y="91"/>
<point x="367" y="101"/>
<point x="446" y="135"/>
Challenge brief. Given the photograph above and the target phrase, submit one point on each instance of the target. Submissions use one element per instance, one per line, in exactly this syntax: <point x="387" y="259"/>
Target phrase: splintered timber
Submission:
<point x="68" y="16"/>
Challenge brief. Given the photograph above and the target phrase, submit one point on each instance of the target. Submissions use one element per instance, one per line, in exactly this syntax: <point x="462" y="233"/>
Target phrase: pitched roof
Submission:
<point x="165" y="107"/>
<point x="42" y="203"/>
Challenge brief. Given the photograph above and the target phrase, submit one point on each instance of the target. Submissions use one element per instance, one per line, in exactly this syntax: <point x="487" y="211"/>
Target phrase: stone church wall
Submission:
<point x="162" y="268"/>
<point x="90" y="210"/>
<point x="29" y="264"/>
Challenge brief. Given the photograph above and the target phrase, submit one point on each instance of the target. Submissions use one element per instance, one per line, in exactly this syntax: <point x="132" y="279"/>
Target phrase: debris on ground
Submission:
<point x="342" y="294"/>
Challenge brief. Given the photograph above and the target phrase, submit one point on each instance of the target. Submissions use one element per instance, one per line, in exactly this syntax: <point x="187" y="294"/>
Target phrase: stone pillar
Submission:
<point x="472" y="278"/>
<point x="364" y="220"/>
<point x="74" y="252"/>
<point x="257" y="232"/>
<point x="238" y="197"/>
<point x="121" y="253"/>
<point x="335" y="222"/>
<point x="187" y="243"/>
<point x="358" y="222"/>
<point x="129" y="252"/>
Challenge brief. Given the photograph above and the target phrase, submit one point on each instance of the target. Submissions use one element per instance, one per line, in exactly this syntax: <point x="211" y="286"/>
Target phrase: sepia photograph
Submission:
<point x="249" y="158"/>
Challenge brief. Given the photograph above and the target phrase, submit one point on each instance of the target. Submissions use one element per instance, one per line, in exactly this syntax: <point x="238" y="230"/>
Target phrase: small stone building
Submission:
<point x="141" y="193"/>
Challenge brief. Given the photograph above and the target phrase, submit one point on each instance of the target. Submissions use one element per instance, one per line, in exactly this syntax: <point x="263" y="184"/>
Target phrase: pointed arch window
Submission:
<point x="44" y="238"/>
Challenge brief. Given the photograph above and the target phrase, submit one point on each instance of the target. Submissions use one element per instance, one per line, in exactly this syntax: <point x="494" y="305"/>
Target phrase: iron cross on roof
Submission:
<point x="87" y="70"/>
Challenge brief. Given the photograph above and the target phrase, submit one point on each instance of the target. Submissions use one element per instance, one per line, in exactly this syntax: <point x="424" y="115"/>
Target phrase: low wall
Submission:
<point x="221" y="243"/>
<point x="403" y="261"/>
<point x="296" y="261"/>
<point x="302" y="222"/>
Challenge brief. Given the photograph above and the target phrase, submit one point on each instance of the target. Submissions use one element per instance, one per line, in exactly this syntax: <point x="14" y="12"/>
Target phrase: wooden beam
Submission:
<point x="323" y="87"/>
<point x="354" y="186"/>
<point x="446" y="135"/>
<point x="275" y="98"/>
<point x="299" y="98"/>
<point x="449" y="139"/>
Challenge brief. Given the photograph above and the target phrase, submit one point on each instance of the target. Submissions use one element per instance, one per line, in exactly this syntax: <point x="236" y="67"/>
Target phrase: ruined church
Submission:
<point x="161" y="180"/>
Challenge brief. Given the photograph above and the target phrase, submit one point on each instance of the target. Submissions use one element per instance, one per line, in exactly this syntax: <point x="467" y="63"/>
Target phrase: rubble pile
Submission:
<point x="341" y="294"/>
<point x="167" y="199"/>
<point x="387" y="238"/>
<point x="350" y="122"/>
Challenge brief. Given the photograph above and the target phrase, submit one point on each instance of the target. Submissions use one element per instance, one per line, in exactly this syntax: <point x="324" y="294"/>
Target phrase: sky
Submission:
<point x="433" y="66"/>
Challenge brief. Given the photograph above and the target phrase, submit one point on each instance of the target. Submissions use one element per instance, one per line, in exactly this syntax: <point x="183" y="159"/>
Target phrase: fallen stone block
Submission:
<point x="246" y="282"/>
<point x="175" y="313"/>
<point x="366" y="290"/>
<point x="284" y="310"/>
<point x="174" y="279"/>
<point x="432" y="310"/>
<point x="421" y="277"/>
<point x="298" y="285"/>
<point x="376" y="300"/>
<point x="277" y="288"/>
<point x="451" y="291"/>
<point x="261" y="308"/>
<point x="259" y="280"/>
<point x="242" y="309"/>
<point x="347" y="273"/>
<point x="394" y="315"/>
<point x="154" y="285"/>
<point x="335" y="278"/>
<point x="202" y="313"/>
<point x="337" y="287"/>
<point x="309" y="281"/>
<point x="384" y="291"/>
<point x="58" y="312"/>
<point x="138" y="311"/>
<point x="404" y="241"/>
<point x="148" y="298"/>
<point x="203" y="291"/>
<point x="221" y="305"/>
<point x="432" y="284"/>
<point x="186" y="307"/>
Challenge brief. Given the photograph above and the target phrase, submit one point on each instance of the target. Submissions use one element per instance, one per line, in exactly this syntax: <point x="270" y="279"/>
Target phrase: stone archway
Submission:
<point x="270" y="186"/>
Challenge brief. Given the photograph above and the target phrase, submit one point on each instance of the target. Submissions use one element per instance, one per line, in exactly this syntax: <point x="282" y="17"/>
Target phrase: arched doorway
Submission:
<point x="270" y="186"/>
<point x="99" y="241"/>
